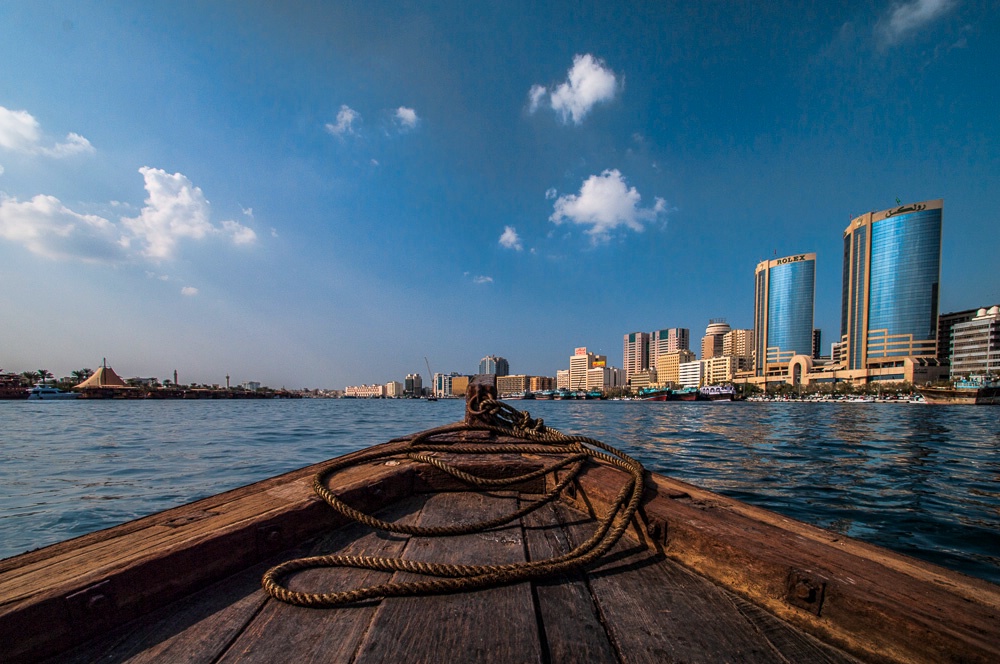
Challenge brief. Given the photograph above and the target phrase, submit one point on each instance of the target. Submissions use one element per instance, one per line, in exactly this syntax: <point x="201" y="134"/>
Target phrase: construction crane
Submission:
<point x="430" y="376"/>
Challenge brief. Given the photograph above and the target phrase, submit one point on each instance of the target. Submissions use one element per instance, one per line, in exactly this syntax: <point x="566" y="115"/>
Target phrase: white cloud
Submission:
<point x="174" y="209"/>
<point x="605" y="203"/>
<point x="510" y="239"/>
<point x="1" y="170"/>
<point x="550" y="193"/>
<point x="588" y="82"/>
<point x="482" y="280"/>
<point x="535" y="96"/>
<point x="345" y="121"/>
<point x="75" y="144"/>
<point x="46" y="227"/>
<point x="406" y="117"/>
<point x="239" y="233"/>
<point x="189" y="291"/>
<point x="907" y="18"/>
<point x="20" y="132"/>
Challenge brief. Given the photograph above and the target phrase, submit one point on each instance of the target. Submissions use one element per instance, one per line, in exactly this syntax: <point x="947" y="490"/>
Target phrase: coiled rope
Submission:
<point x="570" y="452"/>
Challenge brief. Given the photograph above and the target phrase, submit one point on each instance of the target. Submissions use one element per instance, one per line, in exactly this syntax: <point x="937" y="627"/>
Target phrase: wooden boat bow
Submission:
<point x="692" y="575"/>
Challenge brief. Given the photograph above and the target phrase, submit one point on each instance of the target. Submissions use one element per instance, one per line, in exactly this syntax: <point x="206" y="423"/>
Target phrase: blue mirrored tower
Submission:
<point x="784" y="302"/>
<point x="892" y="268"/>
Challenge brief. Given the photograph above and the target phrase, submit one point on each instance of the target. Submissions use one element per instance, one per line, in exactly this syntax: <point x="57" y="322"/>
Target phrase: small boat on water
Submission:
<point x="717" y="393"/>
<point x="980" y="390"/>
<point x="48" y="393"/>
<point x="491" y="539"/>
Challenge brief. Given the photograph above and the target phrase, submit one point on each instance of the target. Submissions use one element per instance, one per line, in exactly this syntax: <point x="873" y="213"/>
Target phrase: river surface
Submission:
<point x="923" y="480"/>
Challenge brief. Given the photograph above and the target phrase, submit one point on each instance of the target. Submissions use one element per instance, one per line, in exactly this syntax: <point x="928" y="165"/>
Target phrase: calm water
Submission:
<point x="923" y="480"/>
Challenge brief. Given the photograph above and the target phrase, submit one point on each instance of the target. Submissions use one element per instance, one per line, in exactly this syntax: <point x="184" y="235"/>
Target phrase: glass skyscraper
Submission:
<point x="493" y="364"/>
<point x="783" y="310"/>
<point x="892" y="267"/>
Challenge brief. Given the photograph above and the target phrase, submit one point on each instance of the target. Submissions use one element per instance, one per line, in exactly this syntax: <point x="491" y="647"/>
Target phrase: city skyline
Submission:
<point x="320" y="195"/>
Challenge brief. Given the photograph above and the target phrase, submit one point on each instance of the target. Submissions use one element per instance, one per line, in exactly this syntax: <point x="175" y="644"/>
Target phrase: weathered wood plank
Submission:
<point x="195" y="630"/>
<point x="869" y="601"/>
<point x="571" y="628"/>
<point x="123" y="573"/>
<point x="657" y="611"/>
<point x="281" y="632"/>
<point x="495" y="625"/>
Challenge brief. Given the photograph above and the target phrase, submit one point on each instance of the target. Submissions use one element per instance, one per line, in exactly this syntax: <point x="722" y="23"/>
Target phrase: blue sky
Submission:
<point x="314" y="194"/>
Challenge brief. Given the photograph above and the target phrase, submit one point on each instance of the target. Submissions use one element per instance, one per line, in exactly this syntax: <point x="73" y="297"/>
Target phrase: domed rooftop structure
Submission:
<point x="717" y="327"/>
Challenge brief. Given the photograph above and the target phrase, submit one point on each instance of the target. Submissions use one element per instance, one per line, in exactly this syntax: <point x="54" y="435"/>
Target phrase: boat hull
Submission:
<point x="983" y="396"/>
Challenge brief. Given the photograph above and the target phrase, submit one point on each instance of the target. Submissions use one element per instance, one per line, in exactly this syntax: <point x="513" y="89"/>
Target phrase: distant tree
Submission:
<point x="28" y="377"/>
<point x="82" y="374"/>
<point x="43" y="375"/>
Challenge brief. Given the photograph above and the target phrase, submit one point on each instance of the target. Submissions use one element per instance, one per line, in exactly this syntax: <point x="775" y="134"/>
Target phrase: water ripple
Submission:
<point x="922" y="480"/>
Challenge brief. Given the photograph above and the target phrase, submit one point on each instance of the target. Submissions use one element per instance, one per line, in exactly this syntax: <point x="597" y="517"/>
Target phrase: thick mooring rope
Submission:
<point x="570" y="452"/>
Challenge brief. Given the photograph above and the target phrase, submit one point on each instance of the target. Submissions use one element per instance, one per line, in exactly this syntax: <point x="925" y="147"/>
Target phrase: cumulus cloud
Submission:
<point x="510" y="239"/>
<point x="175" y="209"/>
<point x="21" y="132"/>
<point x="551" y="193"/>
<point x="604" y="204"/>
<point x="346" y="118"/>
<point x="189" y="291"/>
<point x="406" y="117"/>
<point x="588" y="82"/>
<point x="481" y="279"/>
<point x="907" y="18"/>
<point x="46" y="227"/>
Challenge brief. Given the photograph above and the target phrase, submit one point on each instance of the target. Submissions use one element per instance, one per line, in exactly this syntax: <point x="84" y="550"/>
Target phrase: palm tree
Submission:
<point x="43" y="374"/>
<point x="82" y="375"/>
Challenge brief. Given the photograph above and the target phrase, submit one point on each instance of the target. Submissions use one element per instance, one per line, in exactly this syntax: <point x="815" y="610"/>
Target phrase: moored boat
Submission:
<point x="508" y="541"/>
<point x="685" y="394"/>
<point x="979" y="390"/>
<point x="717" y="392"/>
<point x="42" y="392"/>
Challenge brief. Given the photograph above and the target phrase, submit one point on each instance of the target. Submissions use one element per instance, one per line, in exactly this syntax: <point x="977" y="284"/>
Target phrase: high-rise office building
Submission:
<point x="668" y="371"/>
<point x="635" y="352"/>
<point x="413" y="385"/>
<point x="784" y="299"/>
<point x="580" y="363"/>
<point x="738" y="343"/>
<point x="666" y="341"/>
<point x="975" y="345"/>
<point x="711" y="343"/>
<point x="492" y="364"/>
<point x="945" y="324"/>
<point x="892" y="267"/>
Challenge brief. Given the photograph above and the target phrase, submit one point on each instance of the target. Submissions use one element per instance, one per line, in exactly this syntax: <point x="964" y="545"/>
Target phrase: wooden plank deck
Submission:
<point x="638" y="606"/>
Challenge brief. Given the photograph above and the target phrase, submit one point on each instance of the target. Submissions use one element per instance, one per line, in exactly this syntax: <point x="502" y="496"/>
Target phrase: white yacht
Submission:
<point x="49" y="393"/>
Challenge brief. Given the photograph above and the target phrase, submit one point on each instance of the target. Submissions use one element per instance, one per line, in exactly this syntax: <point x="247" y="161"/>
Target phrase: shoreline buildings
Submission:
<point x="889" y="307"/>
